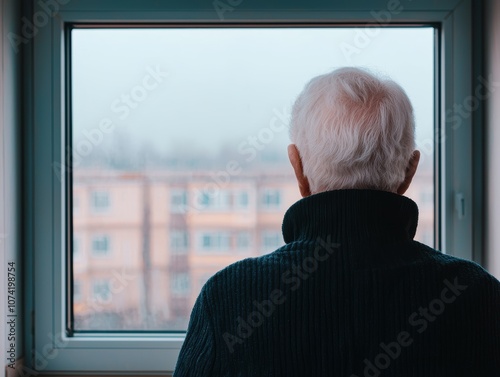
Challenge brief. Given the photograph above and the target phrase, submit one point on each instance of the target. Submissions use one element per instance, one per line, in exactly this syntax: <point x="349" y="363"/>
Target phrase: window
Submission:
<point x="101" y="290"/>
<point x="241" y="199"/>
<point x="180" y="284"/>
<point x="100" y="245"/>
<point x="243" y="241"/>
<point x="271" y="199"/>
<point x="215" y="241"/>
<point x="128" y="135"/>
<point x="213" y="200"/>
<point x="178" y="201"/>
<point x="100" y="201"/>
<point x="271" y="240"/>
<point x="178" y="241"/>
<point x="206" y="199"/>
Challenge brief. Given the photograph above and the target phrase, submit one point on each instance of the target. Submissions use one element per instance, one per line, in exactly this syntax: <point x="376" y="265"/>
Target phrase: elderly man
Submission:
<point x="351" y="293"/>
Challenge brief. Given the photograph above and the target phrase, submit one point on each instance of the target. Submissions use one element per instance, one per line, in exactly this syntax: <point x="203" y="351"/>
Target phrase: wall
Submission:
<point x="10" y="124"/>
<point x="492" y="153"/>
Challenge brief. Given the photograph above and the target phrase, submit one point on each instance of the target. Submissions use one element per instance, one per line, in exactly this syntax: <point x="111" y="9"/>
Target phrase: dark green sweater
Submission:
<point x="349" y="295"/>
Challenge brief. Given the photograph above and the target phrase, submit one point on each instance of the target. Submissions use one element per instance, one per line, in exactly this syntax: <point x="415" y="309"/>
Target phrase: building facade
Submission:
<point x="144" y="244"/>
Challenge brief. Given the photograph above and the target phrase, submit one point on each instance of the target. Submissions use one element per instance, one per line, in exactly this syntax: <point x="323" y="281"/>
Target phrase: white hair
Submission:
<point x="353" y="130"/>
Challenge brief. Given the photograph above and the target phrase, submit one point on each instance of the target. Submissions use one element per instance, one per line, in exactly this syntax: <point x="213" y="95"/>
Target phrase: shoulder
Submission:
<point x="454" y="267"/>
<point x="269" y="267"/>
<point x="246" y="270"/>
<point x="249" y="279"/>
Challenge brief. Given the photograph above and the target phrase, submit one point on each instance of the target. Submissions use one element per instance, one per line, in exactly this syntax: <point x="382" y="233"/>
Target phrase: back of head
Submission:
<point x="353" y="130"/>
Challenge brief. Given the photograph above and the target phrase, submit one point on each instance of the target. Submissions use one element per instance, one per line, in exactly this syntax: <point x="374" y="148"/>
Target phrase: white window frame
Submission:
<point x="458" y="157"/>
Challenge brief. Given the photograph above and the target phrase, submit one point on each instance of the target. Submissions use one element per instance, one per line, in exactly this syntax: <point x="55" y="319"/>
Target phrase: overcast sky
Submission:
<point x="225" y="85"/>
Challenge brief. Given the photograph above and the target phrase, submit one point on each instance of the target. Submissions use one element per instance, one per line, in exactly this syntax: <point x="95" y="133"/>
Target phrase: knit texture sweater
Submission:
<point x="350" y="294"/>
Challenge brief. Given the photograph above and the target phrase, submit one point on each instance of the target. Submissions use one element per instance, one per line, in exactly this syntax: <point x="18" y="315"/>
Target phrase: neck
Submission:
<point x="352" y="217"/>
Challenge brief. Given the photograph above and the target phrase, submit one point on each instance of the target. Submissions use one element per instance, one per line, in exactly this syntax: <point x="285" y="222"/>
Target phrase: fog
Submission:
<point x="203" y="91"/>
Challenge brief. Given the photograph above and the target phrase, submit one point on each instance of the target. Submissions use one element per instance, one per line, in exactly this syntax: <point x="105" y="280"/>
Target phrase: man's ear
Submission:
<point x="296" y="161"/>
<point x="410" y="172"/>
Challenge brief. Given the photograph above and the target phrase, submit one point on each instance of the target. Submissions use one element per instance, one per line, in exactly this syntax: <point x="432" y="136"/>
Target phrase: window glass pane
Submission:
<point x="271" y="240"/>
<point x="179" y="157"/>
<point x="243" y="241"/>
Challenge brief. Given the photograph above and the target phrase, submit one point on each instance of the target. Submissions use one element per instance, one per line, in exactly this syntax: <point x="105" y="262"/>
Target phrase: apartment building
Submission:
<point x="145" y="243"/>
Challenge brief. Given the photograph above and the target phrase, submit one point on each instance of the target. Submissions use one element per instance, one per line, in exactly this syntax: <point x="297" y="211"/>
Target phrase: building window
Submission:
<point x="180" y="284"/>
<point x="100" y="245"/>
<point x="241" y="199"/>
<point x="178" y="241"/>
<point x="100" y="201"/>
<point x="214" y="241"/>
<point x="178" y="201"/>
<point x="101" y="290"/>
<point x="215" y="200"/>
<point x="271" y="199"/>
<point x="243" y="241"/>
<point x="271" y="241"/>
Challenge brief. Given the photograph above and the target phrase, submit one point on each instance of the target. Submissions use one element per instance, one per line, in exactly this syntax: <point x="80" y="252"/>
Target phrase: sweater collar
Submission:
<point x="353" y="217"/>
